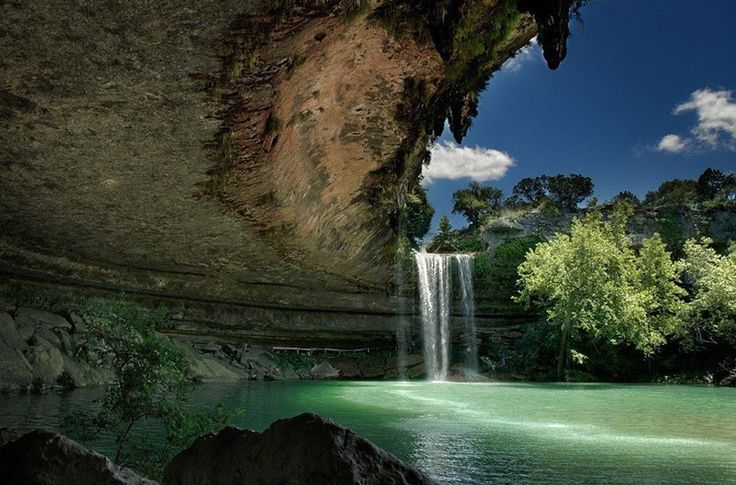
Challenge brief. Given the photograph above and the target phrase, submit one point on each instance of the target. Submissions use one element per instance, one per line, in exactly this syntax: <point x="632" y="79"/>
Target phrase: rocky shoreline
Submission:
<point x="40" y="350"/>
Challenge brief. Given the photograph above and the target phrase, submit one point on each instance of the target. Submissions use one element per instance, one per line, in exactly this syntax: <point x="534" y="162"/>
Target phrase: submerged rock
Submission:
<point x="306" y="449"/>
<point x="46" y="458"/>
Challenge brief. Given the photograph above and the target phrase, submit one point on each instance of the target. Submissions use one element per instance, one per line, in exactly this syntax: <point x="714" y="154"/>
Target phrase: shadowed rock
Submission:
<point x="45" y="458"/>
<point x="729" y="381"/>
<point x="306" y="449"/>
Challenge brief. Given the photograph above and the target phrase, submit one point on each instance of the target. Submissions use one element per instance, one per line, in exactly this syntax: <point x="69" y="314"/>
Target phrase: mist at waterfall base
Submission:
<point x="435" y="284"/>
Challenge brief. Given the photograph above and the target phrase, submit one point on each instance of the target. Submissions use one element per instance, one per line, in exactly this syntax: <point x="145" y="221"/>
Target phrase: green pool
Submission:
<point x="490" y="433"/>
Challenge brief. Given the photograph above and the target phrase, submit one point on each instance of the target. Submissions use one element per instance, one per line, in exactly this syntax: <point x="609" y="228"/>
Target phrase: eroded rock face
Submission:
<point x="247" y="167"/>
<point x="306" y="449"/>
<point x="46" y="458"/>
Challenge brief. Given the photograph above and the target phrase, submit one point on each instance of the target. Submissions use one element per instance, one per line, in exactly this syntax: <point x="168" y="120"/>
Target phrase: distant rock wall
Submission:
<point x="674" y="224"/>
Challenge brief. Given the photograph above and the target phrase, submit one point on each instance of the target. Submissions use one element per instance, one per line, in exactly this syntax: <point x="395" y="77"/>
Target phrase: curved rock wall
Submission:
<point x="245" y="167"/>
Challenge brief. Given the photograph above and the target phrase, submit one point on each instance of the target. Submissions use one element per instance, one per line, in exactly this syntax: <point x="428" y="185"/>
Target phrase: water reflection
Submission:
<point x="485" y="433"/>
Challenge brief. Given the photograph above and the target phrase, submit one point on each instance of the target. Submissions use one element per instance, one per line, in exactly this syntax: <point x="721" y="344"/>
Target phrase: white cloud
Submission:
<point x="452" y="161"/>
<point x="671" y="143"/>
<point x="716" y="112"/>
<point x="716" y="127"/>
<point x="527" y="53"/>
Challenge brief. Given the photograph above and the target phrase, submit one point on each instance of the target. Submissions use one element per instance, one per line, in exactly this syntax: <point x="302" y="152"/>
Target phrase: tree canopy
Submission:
<point x="711" y="313"/>
<point x="446" y="239"/>
<point x="476" y="202"/>
<point x="564" y="191"/>
<point x="592" y="282"/>
<point x="711" y="186"/>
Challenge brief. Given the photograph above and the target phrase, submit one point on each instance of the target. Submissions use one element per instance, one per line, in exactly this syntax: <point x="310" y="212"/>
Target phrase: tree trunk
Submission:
<point x="563" y="349"/>
<point x="121" y="442"/>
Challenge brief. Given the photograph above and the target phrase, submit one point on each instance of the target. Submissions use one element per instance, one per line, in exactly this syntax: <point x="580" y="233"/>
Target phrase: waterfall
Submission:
<point x="465" y="264"/>
<point x="435" y="291"/>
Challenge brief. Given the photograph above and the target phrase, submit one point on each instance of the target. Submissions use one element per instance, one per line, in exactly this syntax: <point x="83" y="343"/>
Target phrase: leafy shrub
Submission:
<point x="150" y="383"/>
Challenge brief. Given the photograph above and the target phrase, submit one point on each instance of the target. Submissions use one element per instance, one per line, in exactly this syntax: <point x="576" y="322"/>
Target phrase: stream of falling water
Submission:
<point x="435" y="293"/>
<point x="465" y="265"/>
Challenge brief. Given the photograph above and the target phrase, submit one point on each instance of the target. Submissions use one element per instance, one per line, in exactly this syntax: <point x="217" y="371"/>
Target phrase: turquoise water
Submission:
<point x="491" y="433"/>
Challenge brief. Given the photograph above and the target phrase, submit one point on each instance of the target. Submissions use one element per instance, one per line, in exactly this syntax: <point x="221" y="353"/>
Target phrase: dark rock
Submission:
<point x="45" y="356"/>
<point x="324" y="371"/>
<point x="9" y="334"/>
<point x="45" y="458"/>
<point x="78" y="323"/>
<point x="207" y="366"/>
<point x="28" y="320"/>
<point x="729" y="381"/>
<point x="261" y="364"/>
<point x="348" y="368"/>
<point x="373" y="366"/>
<point x="7" y="435"/>
<point x="15" y="371"/>
<point x="306" y="449"/>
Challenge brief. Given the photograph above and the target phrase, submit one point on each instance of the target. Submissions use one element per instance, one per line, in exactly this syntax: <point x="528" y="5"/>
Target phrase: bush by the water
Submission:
<point x="150" y="383"/>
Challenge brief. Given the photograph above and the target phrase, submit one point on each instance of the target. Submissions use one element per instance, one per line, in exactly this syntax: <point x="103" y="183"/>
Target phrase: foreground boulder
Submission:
<point x="306" y="449"/>
<point x="45" y="458"/>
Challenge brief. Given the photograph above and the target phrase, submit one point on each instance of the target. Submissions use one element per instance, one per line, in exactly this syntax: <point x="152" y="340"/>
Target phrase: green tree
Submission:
<point x="530" y="190"/>
<point x="419" y="214"/>
<point x="710" y="184"/>
<point x="476" y="202"/>
<point x="150" y="382"/>
<point x="626" y="197"/>
<point x="567" y="191"/>
<point x="564" y="191"/>
<point x="672" y="193"/>
<point x="592" y="283"/>
<point x="446" y="239"/>
<point x="711" y="313"/>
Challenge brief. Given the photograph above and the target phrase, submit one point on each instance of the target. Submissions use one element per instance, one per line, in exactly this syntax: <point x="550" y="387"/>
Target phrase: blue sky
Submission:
<point x="605" y="111"/>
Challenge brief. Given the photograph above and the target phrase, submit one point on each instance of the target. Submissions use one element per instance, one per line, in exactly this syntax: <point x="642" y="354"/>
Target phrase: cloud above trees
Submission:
<point x="716" y="125"/>
<point x="451" y="161"/>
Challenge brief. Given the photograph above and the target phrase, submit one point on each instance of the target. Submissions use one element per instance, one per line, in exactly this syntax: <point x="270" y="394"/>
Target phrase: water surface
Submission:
<point x="489" y="433"/>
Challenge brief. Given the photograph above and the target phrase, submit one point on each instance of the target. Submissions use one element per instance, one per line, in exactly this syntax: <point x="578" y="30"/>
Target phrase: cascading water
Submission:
<point x="465" y="264"/>
<point x="435" y="290"/>
<point x="434" y="299"/>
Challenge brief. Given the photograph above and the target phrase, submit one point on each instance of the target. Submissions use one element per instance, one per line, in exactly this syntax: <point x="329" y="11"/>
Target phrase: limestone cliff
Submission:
<point x="243" y="162"/>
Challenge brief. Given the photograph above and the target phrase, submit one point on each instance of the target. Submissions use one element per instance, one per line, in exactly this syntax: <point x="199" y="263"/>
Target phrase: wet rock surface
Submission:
<point x="46" y="458"/>
<point x="306" y="449"/>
